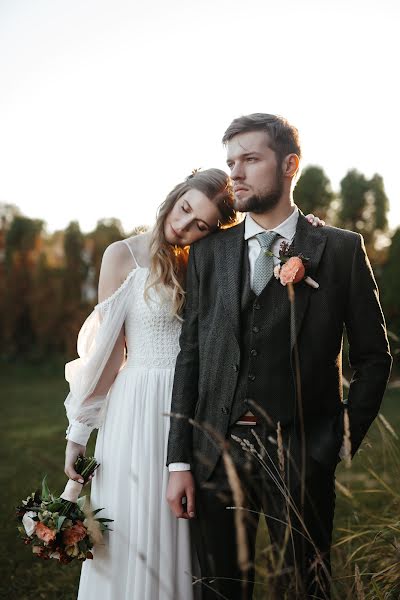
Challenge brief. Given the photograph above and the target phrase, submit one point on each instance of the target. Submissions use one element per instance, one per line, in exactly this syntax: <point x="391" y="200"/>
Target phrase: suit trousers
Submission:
<point x="297" y="500"/>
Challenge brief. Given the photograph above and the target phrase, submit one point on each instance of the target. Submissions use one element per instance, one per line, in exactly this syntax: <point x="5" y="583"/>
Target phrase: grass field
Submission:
<point x="32" y="438"/>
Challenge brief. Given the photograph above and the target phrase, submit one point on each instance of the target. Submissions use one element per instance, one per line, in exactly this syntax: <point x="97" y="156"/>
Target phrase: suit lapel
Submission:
<point x="309" y="241"/>
<point x="228" y="265"/>
<point x="229" y="249"/>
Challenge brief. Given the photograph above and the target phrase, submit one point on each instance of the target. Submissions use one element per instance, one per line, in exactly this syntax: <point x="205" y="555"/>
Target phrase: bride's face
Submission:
<point x="193" y="217"/>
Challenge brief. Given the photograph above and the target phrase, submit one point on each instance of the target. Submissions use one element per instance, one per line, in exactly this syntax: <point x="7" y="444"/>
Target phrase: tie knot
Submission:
<point x="266" y="239"/>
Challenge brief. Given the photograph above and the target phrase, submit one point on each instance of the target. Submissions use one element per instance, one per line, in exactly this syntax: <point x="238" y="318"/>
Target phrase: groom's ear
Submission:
<point x="290" y="165"/>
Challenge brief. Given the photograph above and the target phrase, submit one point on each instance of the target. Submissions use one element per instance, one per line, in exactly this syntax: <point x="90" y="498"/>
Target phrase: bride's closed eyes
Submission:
<point x="188" y="209"/>
<point x="192" y="217"/>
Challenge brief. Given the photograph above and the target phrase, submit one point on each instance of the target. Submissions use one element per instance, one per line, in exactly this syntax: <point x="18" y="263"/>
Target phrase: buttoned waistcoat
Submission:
<point x="265" y="373"/>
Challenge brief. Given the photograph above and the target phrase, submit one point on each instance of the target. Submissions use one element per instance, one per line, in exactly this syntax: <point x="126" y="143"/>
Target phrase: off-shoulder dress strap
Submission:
<point x="131" y="251"/>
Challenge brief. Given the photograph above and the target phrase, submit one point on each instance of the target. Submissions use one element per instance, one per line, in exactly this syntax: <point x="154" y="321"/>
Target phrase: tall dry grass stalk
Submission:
<point x="359" y="585"/>
<point x="373" y="536"/>
<point x="91" y="523"/>
<point x="387" y="426"/>
<point x="346" y="439"/>
<point x="281" y="451"/>
<point x="276" y="557"/>
<point x="239" y="500"/>
<point x="299" y="399"/>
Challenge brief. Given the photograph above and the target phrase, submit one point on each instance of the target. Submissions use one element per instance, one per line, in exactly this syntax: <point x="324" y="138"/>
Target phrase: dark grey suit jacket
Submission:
<point x="206" y="368"/>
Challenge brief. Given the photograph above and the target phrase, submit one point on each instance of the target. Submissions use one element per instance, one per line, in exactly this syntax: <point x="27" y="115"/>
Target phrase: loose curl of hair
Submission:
<point x="168" y="263"/>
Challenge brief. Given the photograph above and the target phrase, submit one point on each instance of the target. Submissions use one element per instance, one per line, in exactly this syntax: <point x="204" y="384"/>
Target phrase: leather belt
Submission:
<point x="247" y="420"/>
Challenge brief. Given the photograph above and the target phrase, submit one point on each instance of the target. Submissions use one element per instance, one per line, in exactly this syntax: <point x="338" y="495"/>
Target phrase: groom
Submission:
<point x="249" y="369"/>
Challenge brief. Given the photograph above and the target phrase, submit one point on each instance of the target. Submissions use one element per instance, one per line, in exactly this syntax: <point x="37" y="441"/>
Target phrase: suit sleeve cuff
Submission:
<point x="178" y="467"/>
<point x="78" y="432"/>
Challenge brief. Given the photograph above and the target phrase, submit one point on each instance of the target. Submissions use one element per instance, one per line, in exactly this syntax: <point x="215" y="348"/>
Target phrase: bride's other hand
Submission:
<point x="315" y="221"/>
<point x="72" y="451"/>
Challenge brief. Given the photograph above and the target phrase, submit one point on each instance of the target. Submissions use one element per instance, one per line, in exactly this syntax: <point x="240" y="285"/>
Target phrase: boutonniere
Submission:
<point x="292" y="268"/>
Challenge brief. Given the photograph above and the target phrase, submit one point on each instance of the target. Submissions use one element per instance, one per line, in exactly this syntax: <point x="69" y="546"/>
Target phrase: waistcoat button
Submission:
<point x="251" y="376"/>
<point x="256" y="329"/>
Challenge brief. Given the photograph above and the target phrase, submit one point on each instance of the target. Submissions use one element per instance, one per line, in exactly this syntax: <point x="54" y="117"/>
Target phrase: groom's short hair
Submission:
<point x="283" y="137"/>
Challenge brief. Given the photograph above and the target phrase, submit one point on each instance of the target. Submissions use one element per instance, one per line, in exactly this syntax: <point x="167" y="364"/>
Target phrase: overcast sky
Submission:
<point x="105" y="105"/>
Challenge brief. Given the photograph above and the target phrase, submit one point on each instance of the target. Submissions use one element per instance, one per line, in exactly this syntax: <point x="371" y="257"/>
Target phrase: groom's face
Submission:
<point x="256" y="174"/>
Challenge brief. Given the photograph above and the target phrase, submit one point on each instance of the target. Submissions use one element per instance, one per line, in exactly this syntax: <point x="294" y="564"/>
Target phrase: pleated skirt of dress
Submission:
<point x="147" y="556"/>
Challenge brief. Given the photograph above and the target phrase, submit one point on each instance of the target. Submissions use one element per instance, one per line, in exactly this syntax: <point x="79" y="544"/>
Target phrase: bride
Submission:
<point x="122" y="385"/>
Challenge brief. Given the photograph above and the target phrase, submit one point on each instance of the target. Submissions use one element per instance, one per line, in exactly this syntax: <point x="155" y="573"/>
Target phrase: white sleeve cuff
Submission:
<point x="78" y="432"/>
<point x="178" y="467"/>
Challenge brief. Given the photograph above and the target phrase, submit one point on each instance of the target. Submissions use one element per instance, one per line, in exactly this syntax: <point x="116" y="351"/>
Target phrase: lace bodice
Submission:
<point x="152" y="334"/>
<point x="152" y="339"/>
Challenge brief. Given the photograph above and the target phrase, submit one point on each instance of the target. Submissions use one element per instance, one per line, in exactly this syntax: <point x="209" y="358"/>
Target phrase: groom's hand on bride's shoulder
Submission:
<point x="181" y="487"/>
<point x="315" y="221"/>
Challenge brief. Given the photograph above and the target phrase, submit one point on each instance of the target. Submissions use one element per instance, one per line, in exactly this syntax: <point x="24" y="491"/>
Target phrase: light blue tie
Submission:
<point x="264" y="265"/>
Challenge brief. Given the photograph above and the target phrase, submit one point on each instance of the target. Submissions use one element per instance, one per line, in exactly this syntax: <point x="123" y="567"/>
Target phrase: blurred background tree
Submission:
<point x="313" y="192"/>
<point x="361" y="205"/>
<point x="106" y="232"/>
<point x="73" y="277"/>
<point x="363" y="208"/>
<point x="22" y="247"/>
<point x="48" y="282"/>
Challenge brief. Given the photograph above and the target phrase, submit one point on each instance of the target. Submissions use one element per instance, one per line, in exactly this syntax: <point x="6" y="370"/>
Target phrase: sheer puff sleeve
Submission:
<point x="101" y="356"/>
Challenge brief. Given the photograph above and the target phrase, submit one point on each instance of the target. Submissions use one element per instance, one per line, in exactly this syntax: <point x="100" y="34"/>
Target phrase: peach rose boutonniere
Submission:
<point x="292" y="269"/>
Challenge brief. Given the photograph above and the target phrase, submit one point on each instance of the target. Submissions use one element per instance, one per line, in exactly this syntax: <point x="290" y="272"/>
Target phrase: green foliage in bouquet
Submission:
<point x="58" y="528"/>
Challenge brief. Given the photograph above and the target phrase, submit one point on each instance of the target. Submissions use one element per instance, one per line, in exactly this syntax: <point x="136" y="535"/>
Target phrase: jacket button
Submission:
<point x="256" y="305"/>
<point x="235" y="368"/>
<point x="256" y="329"/>
<point x="253" y="352"/>
<point x="251" y="376"/>
<point x="248" y="400"/>
<point x="224" y="410"/>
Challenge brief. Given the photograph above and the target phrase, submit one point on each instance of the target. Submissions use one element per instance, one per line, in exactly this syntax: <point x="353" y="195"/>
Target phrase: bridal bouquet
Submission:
<point x="62" y="527"/>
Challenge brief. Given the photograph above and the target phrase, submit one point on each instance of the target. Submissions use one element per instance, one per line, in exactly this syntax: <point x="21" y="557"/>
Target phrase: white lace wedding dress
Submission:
<point x="147" y="555"/>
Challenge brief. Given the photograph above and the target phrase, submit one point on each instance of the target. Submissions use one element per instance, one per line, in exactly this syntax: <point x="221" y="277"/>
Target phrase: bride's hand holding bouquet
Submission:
<point x="72" y="452"/>
<point x="63" y="527"/>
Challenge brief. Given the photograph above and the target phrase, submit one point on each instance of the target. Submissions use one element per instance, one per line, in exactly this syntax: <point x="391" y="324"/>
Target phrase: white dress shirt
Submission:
<point x="285" y="231"/>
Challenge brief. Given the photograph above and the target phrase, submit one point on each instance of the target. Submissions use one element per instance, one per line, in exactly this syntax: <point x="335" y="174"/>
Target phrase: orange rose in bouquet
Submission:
<point x="74" y="534"/>
<point x="45" y="533"/>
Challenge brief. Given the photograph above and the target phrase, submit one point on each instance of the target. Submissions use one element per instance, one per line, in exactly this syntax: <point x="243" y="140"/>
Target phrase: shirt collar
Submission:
<point x="286" y="229"/>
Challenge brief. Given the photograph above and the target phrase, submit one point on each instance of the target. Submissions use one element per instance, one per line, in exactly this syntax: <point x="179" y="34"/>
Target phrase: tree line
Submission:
<point x="48" y="282"/>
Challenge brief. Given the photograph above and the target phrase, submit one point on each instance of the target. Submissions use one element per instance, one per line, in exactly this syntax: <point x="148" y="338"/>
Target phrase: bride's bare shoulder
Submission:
<point x="117" y="262"/>
<point x="117" y="258"/>
<point x="121" y="257"/>
<point x="139" y="246"/>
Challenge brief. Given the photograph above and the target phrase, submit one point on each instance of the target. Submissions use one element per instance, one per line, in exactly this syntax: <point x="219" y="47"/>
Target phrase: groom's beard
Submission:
<point x="261" y="203"/>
